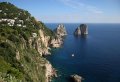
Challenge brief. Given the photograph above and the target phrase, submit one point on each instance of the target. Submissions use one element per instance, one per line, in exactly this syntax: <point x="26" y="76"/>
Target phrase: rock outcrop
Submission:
<point x="50" y="72"/>
<point x="42" y="45"/>
<point x="84" y="29"/>
<point x="77" y="31"/>
<point x="81" y="30"/>
<point x="17" y="55"/>
<point x="60" y="30"/>
<point x="76" y="78"/>
<point x="57" y="42"/>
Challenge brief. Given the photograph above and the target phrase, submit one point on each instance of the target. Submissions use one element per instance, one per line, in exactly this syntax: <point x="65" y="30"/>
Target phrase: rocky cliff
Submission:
<point x="23" y="42"/>
<point x="81" y="30"/>
<point x="40" y="42"/>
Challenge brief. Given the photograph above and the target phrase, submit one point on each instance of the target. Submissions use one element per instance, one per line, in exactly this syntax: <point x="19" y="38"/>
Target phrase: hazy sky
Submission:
<point x="72" y="11"/>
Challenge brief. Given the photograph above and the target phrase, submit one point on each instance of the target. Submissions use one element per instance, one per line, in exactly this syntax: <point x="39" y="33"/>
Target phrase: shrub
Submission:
<point x="4" y="45"/>
<point x="27" y="59"/>
<point x="15" y="72"/>
<point x="13" y="38"/>
<point x="4" y="66"/>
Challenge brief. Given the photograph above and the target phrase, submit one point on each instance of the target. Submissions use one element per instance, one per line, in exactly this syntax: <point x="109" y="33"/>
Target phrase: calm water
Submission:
<point x="97" y="56"/>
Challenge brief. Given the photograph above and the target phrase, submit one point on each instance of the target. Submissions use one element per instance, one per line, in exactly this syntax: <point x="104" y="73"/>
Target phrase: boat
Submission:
<point x="73" y="55"/>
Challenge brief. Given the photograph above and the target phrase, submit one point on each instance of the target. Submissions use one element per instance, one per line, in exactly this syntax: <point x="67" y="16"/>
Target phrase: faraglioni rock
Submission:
<point x="77" y="31"/>
<point x="81" y="30"/>
<point x="84" y="29"/>
<point x="76" y="78"/>
<point x="60" y="30"/>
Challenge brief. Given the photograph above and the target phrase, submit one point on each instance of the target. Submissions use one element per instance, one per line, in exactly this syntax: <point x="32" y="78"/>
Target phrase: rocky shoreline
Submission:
<point x="50" y="72"/>
<point x="56" y="42"/>
<point x="60" y="32"/>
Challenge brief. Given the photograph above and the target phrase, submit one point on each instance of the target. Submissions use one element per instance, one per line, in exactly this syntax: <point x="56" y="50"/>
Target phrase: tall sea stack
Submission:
<point x="77" y="31"/>
<point x="84" y="29"/>
<point x="60" y="30"/>
<point x="81" y="30"/>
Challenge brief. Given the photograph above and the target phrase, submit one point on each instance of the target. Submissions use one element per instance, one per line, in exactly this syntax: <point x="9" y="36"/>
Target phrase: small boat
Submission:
<point x="73" y="55"/>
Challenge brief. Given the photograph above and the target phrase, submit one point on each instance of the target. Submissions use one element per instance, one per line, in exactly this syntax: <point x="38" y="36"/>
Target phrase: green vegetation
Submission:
<point x="19" y="62"/>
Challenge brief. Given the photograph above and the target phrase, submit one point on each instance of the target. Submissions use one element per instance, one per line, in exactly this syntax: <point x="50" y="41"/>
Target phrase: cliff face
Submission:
<point x="50" y="72"/>
<point x="42" y="43"/>
<point x="57" y="42"/>
<point x="81" y="30"/>
<point x="23" y="42"/>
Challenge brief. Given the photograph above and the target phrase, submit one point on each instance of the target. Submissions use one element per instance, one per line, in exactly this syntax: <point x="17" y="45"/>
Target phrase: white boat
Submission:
<point x="73" y="55"/>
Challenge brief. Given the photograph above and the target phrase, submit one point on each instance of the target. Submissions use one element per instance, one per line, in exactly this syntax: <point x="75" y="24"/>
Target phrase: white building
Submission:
<point x="24" y="26"/>
<point x="21" y="21"/>
<point x="19" y="25"/>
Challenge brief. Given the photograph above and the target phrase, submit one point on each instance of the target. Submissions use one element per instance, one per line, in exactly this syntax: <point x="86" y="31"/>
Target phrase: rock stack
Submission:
<point x="84" y="29"/>
<point x="60" y="30"/>
<point x="77" y="31"/>
<point x="81" y="30"/>
<point x="76" y="78"/>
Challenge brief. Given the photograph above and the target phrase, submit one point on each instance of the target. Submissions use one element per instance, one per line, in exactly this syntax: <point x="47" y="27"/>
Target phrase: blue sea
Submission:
<point x="96" y="56"/>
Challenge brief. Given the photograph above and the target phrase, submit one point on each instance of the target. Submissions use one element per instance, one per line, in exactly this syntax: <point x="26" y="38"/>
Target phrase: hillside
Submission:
<point x="23" y="41"/>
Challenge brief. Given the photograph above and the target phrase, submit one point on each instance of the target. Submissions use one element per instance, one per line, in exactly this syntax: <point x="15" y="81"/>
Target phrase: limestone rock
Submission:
<point x="50" y="72"/>
<point x="60" y="30"/>
<point x="41" y="43"/>
<point x="81" y="30"/>
<point x="77" y="31"/>
<point x="76" y="78"/>
<point x="56" y="42"/>
<point x="84" y="29"/>
<point x="17" y="55"/>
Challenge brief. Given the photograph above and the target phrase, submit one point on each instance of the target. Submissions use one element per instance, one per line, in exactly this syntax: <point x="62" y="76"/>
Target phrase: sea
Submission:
<point x="96" y="56"/>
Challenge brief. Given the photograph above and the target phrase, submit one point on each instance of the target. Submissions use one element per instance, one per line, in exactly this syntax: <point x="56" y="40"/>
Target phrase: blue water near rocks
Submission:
<point x="97" y="56"/>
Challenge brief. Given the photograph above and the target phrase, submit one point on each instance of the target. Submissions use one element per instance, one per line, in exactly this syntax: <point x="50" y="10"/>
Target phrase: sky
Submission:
<point x="72" y="11"/>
